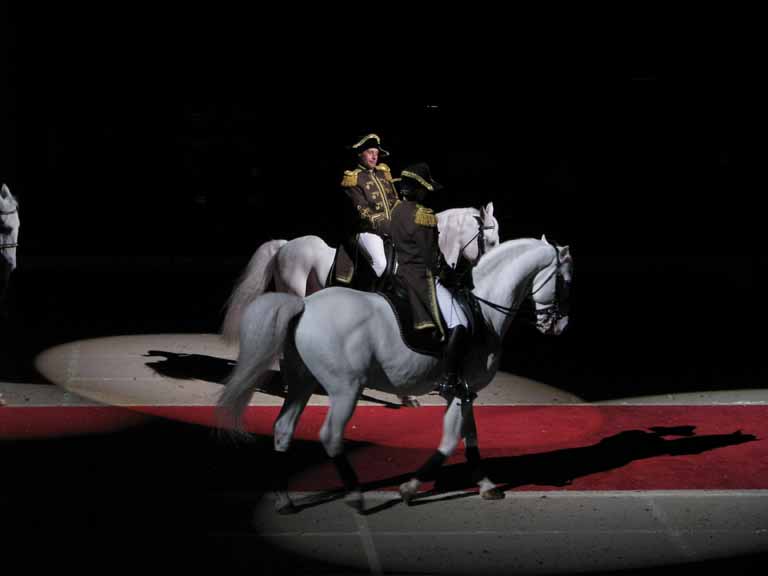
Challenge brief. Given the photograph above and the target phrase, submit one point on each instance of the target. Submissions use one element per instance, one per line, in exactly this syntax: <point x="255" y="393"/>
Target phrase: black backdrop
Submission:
<point x="139" y="136"/>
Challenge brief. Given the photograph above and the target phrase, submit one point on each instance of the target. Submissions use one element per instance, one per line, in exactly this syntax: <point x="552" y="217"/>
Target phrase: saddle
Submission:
<point x="355" y="271"/>
<point x="427" y="341"/>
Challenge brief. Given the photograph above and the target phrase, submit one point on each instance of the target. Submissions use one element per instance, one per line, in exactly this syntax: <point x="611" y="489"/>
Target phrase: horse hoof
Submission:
<point x="355" y="501"/>
<point x="286" y="509"/>
<point x="408" y="490"/>
<point x="410" y="401"/>
<point x="493" y="494"/>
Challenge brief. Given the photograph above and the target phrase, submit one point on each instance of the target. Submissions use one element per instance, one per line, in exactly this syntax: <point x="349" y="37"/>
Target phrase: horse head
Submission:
<point x="467" y="233"/>
<point x="9" y="227"/>
<point x="489" y="228"/>
<point x="519" y="269"/>
<point x="551" y="291"/>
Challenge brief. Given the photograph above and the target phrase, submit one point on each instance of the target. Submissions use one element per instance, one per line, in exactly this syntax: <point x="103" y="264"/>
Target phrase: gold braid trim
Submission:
<point x="350" y="178"/>
<point x="387" y="172"/>
<point x="435" y="307"/>
<point x="367" y="137"/>
<point x="365" y="213"/>
<point x="418" y="179"/>
<point x="425" y="217"/>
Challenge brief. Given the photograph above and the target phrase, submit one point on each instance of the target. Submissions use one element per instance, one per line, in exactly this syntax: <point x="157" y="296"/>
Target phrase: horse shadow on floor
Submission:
<point x="560" y="468"/>
<point x="183" y="366"/>
<point x="556" y="469"/>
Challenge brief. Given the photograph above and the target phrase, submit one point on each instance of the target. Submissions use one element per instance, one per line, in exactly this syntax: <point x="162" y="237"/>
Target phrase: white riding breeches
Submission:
<point x="374" y="245"/>
<point x="452" y="312"/>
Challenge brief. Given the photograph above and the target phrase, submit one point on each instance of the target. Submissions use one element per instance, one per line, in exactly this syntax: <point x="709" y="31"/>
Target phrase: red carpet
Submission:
<point x="524" y="447"/>
<point x="55" y="421"/>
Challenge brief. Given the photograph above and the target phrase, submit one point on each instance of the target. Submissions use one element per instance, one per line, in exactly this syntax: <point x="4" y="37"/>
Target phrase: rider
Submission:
<point x="373" y="196"/>
<point x="419" y="264"/>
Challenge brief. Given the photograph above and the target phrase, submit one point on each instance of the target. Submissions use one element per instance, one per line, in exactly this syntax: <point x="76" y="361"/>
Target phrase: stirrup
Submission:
<point x="444" y="389"/>
<point x="460" y="389"/>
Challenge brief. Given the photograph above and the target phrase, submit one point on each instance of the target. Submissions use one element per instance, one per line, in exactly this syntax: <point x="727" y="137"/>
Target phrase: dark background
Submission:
<point x="153" y="152"/>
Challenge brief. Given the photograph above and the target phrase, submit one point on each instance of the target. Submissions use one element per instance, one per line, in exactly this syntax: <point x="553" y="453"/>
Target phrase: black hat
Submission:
<point x="419" y="174"/>
<point x="368" y="141"/>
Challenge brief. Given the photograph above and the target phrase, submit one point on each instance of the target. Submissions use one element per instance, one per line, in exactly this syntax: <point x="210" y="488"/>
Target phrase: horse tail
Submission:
<point x="263" y="331"/>
<point x="252" y="283"/>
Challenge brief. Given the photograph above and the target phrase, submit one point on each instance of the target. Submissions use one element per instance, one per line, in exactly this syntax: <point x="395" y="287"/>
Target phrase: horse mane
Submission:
<point x="509" y="250"/>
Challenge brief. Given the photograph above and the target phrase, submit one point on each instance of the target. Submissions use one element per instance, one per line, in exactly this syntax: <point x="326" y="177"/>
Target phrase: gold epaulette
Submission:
<point x="425" y="217"/>
<point x="387" y="172"/>
<point x="350" y="178"/>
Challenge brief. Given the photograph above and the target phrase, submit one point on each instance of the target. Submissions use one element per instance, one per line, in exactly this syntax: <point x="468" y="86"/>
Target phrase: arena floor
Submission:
<point x="116" y="456"/>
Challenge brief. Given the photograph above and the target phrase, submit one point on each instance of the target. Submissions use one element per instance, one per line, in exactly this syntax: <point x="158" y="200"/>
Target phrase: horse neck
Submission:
<point x="456" y="228"/>
<point x="506" y="275"/>
<point x="456" y="221"/>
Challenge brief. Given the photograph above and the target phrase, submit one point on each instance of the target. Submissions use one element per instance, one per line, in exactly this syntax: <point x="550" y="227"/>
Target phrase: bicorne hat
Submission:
<point x="366" y="142"/>
<point x="418" y="175"/>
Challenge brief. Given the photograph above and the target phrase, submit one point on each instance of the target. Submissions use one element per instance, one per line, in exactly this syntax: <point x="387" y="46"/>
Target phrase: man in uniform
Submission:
<point x="372" y="196"/>
<point x="419" y="264"/>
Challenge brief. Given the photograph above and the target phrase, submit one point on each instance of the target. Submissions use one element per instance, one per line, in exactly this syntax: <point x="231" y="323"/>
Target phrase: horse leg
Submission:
<point x="409" y="401"/>
<point x="452" y="427"/>
<point x="488" y="490"/>
<point x="299" y="392"/>
<point x="332" y="437"/>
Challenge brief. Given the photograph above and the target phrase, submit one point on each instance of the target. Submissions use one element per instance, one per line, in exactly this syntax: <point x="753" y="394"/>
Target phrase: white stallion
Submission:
<point x="346" y="340"/>
<point x="300" y="266"/>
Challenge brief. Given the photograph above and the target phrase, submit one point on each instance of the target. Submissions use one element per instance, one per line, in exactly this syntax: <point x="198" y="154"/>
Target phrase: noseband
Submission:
<point x="7" y="245"/>
<point x="558" y="310"/>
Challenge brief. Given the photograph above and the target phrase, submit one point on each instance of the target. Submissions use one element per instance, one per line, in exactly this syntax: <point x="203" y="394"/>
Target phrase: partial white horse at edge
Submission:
<point x="345" y="340"/>
<point x="9" y="236"/>
<point x="301" y="266"/>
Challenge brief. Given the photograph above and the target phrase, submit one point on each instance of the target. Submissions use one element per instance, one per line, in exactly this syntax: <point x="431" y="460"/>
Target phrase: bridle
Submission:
<point x="7" y="245"/>
<point x="480" y="238"/>
<point x="551" y="313"/>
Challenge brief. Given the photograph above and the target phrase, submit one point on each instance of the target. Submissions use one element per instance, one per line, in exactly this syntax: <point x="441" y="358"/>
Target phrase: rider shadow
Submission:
<point x="561" y="467"/>
<point x="190" y="366"/>
<point x="184" y="366"/>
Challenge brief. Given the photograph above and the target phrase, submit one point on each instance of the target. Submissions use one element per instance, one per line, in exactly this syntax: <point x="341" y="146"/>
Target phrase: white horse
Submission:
<point x="301" y="266"/>
<point x="9" y="236"/>
<point x="345" y="340"/>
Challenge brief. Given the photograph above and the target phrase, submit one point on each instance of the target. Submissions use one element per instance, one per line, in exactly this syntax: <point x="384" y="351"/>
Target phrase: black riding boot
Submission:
<point x="452" y="386"/>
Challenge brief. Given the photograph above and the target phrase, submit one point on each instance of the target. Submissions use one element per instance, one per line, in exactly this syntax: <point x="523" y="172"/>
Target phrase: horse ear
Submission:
<point x="489" y="210"/>
<point x="5" y="192"/>
<point x="565" y="251"/>
<point x="544" y="238"/>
